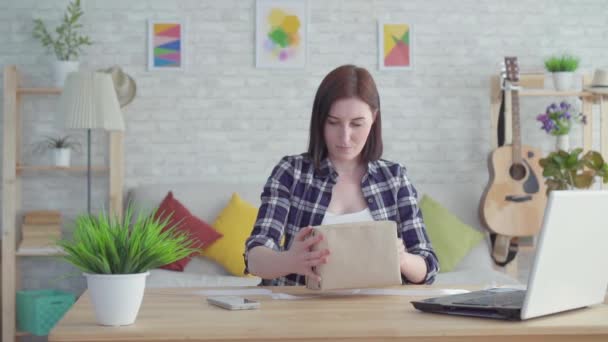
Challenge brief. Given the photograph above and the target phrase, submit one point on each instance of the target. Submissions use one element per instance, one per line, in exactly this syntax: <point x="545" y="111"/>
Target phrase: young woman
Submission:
<point x="340" y="179"/>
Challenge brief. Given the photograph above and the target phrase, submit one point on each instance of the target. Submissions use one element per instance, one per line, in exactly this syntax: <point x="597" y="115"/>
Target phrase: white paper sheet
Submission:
<point x="352" y="292"/>
<point x="412" y="292"/>
<point x="510" y="287"/>
<point x="235" y="292"/>
<point x="373" y="292"/>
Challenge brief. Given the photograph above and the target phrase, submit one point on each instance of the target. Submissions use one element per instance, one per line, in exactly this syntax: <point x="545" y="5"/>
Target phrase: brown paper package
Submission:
<point x="362" y="254"/>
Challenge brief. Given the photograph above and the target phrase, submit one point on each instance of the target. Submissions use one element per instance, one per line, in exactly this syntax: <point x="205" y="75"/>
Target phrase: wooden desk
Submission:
<point x="180" y="315"/>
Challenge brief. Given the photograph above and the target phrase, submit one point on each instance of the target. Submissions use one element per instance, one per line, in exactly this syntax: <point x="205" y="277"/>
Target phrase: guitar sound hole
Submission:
<point x="517" y="171"/>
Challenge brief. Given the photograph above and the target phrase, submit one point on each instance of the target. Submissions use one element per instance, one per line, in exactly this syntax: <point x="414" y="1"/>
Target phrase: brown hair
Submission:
<point x="345" y="81"/>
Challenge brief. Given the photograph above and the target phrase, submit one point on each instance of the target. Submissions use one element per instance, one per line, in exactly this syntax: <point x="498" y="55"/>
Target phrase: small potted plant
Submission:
<point x="557" y="120"/>
<point x="116" y="256"/>
<point x="568" y="170"/>
<point x="61" y="147"/>
<point x="562" y="68"/>
<point x="68" y="43"/>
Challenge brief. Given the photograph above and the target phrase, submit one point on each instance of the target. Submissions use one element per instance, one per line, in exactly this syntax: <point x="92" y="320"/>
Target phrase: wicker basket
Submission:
<point x="39" y="310"/>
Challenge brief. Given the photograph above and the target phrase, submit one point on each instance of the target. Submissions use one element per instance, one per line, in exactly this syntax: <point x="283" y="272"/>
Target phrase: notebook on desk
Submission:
<point x="570" y="268"/>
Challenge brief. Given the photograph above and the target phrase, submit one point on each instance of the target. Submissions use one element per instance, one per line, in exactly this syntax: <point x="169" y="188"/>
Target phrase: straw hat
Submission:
<point x="599" y="84"/>
<point x="123" y="84"/>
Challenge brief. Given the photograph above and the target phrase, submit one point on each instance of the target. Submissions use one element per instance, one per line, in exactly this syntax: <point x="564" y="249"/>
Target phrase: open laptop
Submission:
<point x="570" y="267"/>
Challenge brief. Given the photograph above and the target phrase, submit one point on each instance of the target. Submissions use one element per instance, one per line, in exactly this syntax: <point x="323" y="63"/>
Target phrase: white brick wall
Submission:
<point x="225" y="118"/>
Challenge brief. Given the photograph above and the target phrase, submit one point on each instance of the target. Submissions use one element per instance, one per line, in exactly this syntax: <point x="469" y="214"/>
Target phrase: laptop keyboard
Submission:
<point x="500" y="299"/>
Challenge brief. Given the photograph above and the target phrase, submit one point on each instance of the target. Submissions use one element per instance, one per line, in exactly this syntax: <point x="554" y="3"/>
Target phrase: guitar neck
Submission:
<point x="516" y="143"/>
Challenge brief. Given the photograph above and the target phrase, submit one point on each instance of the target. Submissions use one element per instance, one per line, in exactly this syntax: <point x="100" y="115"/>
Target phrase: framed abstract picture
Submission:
<point x="280" y="33"/>
<point x="166" y="48"/>
<point x="395" y="46"/>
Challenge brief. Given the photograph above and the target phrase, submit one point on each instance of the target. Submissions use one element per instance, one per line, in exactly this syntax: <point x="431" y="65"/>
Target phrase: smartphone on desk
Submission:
<point x="234" y="302"/>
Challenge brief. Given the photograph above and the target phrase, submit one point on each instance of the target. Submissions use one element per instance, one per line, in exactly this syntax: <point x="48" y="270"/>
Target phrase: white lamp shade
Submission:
<point x="89" y="101"/>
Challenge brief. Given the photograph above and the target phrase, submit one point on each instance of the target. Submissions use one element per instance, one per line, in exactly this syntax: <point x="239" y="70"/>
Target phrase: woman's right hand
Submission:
<point x="301" y="258"/>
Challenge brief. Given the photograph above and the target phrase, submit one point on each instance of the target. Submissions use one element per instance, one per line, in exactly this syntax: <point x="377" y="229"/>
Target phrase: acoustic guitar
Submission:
<point x="514" y="200"/>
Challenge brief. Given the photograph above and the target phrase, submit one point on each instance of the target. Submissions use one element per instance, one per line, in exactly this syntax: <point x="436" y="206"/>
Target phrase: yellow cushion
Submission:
<point x="235" y="222"/>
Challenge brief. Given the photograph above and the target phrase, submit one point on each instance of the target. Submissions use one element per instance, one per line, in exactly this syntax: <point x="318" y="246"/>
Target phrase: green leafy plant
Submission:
<point x="68" y="43"/>
<point x="57" y="143"/>
<point x="108" y="245"/>
<point x="562" y="63"/>
<point x="568" y="170"/>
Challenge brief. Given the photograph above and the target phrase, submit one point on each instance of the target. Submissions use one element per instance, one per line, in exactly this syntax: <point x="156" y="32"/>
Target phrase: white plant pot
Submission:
<point x="61" y="69"/>
<point x="563" y="80"/>
<point x="62" y="157"/>
<point x="116" y="298"/>
<point x="563" y="143"/>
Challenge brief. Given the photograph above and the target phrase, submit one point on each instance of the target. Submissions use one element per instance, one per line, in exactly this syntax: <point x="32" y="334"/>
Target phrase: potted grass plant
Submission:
<point x="61" y="147"/>
<point x="116" y="256"/>
<point x="562" y="68"/>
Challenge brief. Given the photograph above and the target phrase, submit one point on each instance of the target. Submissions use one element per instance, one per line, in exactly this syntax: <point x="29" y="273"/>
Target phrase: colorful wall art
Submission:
<point x="166" y="45"/>
<point x="395" y="42"/>
<point x="281" y="30"/>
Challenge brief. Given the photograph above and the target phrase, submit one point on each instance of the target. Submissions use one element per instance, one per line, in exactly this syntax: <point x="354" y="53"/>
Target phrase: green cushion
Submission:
<point x="451" y="238"/>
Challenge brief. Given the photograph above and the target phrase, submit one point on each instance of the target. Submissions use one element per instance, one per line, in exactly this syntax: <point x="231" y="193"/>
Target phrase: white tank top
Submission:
<point x="364" y="215"/>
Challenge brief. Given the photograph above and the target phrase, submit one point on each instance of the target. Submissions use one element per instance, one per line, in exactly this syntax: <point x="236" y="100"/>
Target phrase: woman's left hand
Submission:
<point x="412" y="266"/>
<point x="402" y="252"/>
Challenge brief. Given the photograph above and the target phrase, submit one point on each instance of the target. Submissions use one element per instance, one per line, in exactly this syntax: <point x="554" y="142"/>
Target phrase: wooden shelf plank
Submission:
<point x="527" y="248"/>
<point x="22" y="333"/>
<point x="549" y="92"/>
<point x="42" y="252"/>
<point x="49" y="91"/>
<point x="80" y="168"/>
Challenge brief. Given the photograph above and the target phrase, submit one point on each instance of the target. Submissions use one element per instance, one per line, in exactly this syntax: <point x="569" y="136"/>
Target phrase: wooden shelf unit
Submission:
<point x="532" y="85"/>
<point x="12" y="170"/>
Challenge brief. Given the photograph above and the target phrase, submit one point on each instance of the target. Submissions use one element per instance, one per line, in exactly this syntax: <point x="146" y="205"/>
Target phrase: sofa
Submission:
<point x="206" y="200"/>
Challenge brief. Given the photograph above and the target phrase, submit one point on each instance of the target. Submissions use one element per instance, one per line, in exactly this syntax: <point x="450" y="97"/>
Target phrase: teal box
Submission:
<point x="39" y="310"/>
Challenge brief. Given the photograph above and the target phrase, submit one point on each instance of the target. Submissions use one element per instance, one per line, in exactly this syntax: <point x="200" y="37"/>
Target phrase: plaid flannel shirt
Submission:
<point x="296" y="196"/>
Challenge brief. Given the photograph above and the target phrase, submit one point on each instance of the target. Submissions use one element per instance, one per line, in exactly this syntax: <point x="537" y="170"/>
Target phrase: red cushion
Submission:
<point x="171" y="205"/>
<point x="200" y="231"/>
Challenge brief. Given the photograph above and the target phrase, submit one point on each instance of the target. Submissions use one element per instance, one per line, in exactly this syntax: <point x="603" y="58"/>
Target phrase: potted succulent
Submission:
<point x="116" y="256"/>
<point x="562" y="68"/>
<point x="569" y="170"/>
<point x="61" y="147"/>
<point x="68" y="43"/>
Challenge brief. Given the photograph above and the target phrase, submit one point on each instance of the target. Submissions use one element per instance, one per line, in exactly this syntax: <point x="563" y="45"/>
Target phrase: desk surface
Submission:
<point x="180" y="314"/>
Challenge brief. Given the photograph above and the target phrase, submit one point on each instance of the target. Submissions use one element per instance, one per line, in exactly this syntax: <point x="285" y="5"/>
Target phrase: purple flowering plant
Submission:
<point x="557" y="120"/>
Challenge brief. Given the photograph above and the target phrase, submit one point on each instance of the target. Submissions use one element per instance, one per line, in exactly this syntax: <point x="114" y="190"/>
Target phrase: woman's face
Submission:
<point x="347" y="127"/>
